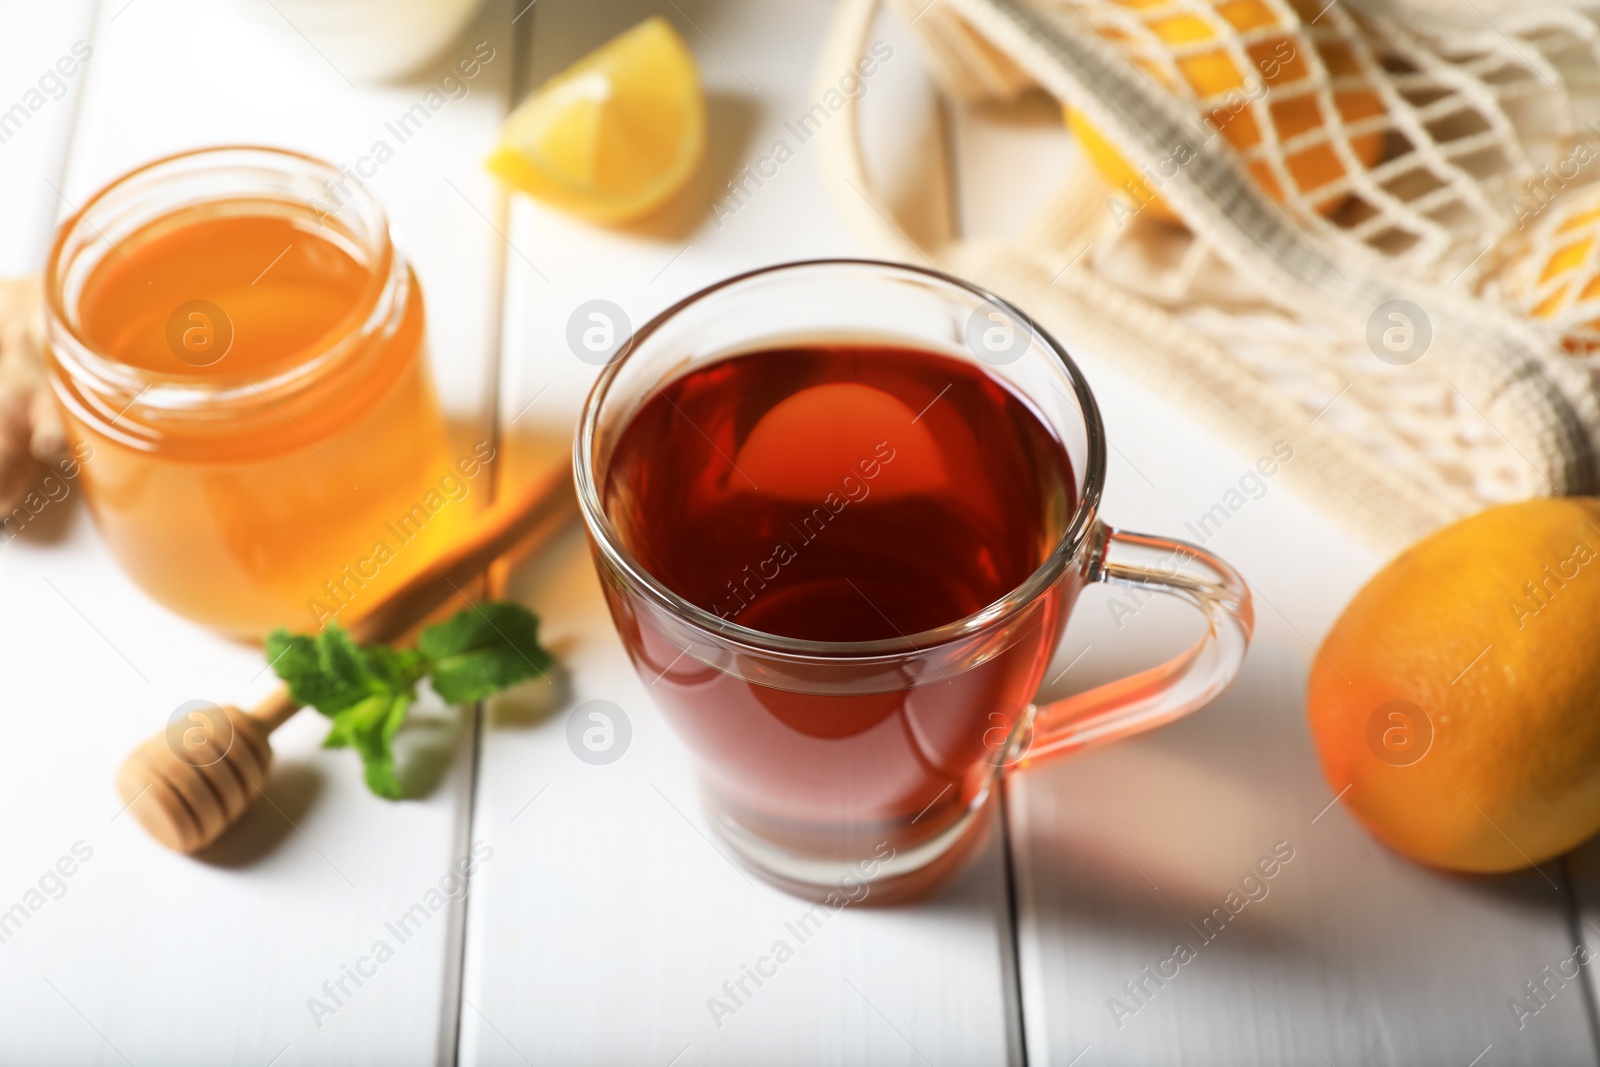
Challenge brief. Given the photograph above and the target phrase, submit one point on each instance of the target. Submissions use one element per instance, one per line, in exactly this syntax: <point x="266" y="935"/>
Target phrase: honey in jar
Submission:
<point x="247" y="370"/>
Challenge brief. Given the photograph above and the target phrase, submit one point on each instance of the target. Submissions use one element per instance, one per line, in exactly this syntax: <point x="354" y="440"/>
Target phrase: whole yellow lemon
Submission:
<point x="1456" y="702"/>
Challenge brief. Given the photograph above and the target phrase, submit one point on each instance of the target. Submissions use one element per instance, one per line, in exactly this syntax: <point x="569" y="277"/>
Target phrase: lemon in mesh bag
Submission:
<point x="1241" y="62"/>
<point x="1557" y="275"/>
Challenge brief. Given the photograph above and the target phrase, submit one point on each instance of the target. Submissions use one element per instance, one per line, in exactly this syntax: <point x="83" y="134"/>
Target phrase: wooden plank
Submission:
<point x="1354" y="954"/>
<point x="1583" y="872"/>
<point x="607" y="919"/>
<point x="151" y="957"/>
<point x="39" y="96"/>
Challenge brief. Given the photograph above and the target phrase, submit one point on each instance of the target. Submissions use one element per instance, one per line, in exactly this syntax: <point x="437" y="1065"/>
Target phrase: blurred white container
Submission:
<point x="378" y="40"/>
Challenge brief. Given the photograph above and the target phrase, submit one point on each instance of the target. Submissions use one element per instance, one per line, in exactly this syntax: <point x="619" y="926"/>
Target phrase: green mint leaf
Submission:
<point x="366" y="692"/>
<point x="398" y="669"/>
<point x="369" y="728"/>
<point x="326" y="672"/>
<point x="483" y="650"/>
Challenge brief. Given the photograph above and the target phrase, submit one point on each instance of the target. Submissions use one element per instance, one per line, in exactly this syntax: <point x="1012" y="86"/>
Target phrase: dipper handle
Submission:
<point x="193" y="780"/>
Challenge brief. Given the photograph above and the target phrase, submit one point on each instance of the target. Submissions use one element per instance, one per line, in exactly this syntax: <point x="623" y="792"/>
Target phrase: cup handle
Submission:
<point x="1175" y="688"/>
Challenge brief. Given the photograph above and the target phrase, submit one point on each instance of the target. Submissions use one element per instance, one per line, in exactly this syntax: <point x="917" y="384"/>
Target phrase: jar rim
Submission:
<point x="120" y="385"/>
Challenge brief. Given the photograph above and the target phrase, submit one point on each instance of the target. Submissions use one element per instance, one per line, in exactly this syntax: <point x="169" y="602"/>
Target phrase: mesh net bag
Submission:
<point x="1365" y="228"/>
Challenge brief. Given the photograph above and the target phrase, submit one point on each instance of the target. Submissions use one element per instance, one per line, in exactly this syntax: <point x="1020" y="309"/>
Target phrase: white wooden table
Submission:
<point x="604" y="918"/>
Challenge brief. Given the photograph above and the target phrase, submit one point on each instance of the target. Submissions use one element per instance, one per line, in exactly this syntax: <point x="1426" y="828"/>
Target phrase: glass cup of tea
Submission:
<point x="841" y="510"/>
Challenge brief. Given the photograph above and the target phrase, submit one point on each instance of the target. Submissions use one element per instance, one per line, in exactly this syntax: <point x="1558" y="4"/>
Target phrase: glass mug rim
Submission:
<point x="1075" y="535"/>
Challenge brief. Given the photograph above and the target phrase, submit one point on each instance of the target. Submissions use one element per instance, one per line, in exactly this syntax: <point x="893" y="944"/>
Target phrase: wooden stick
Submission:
<point x="192" y="781"/>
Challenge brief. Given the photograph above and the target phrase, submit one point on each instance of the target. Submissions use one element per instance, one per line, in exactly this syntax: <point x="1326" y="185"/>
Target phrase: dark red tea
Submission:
<point x="841" y="493"/>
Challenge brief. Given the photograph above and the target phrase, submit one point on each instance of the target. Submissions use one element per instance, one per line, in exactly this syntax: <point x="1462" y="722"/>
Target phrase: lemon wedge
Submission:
<point x="613" y="136"/>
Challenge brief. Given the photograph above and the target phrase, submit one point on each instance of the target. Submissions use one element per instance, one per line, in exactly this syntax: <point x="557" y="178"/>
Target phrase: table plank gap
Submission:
<point x="516" y="42"/>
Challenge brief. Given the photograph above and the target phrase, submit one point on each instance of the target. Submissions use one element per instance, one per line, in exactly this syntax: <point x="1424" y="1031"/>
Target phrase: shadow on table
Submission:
<point x="1126" y="852"/>
<point x="730" y="121"/>
<point x="425" y="747"/>
<point x="1545" y="888"/>
<point x="535" y="700"/>
<point x="290" y="791"/>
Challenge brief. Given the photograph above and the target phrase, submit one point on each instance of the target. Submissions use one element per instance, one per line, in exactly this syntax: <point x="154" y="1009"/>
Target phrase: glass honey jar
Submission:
<point x="235" y="337"/>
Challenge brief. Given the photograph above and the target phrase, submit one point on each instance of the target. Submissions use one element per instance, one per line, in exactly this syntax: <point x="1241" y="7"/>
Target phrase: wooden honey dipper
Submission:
<point x="188" y="801"/>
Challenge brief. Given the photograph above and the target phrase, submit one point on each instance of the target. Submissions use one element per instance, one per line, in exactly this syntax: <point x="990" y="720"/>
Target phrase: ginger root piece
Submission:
<point x="30" y="426"/>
